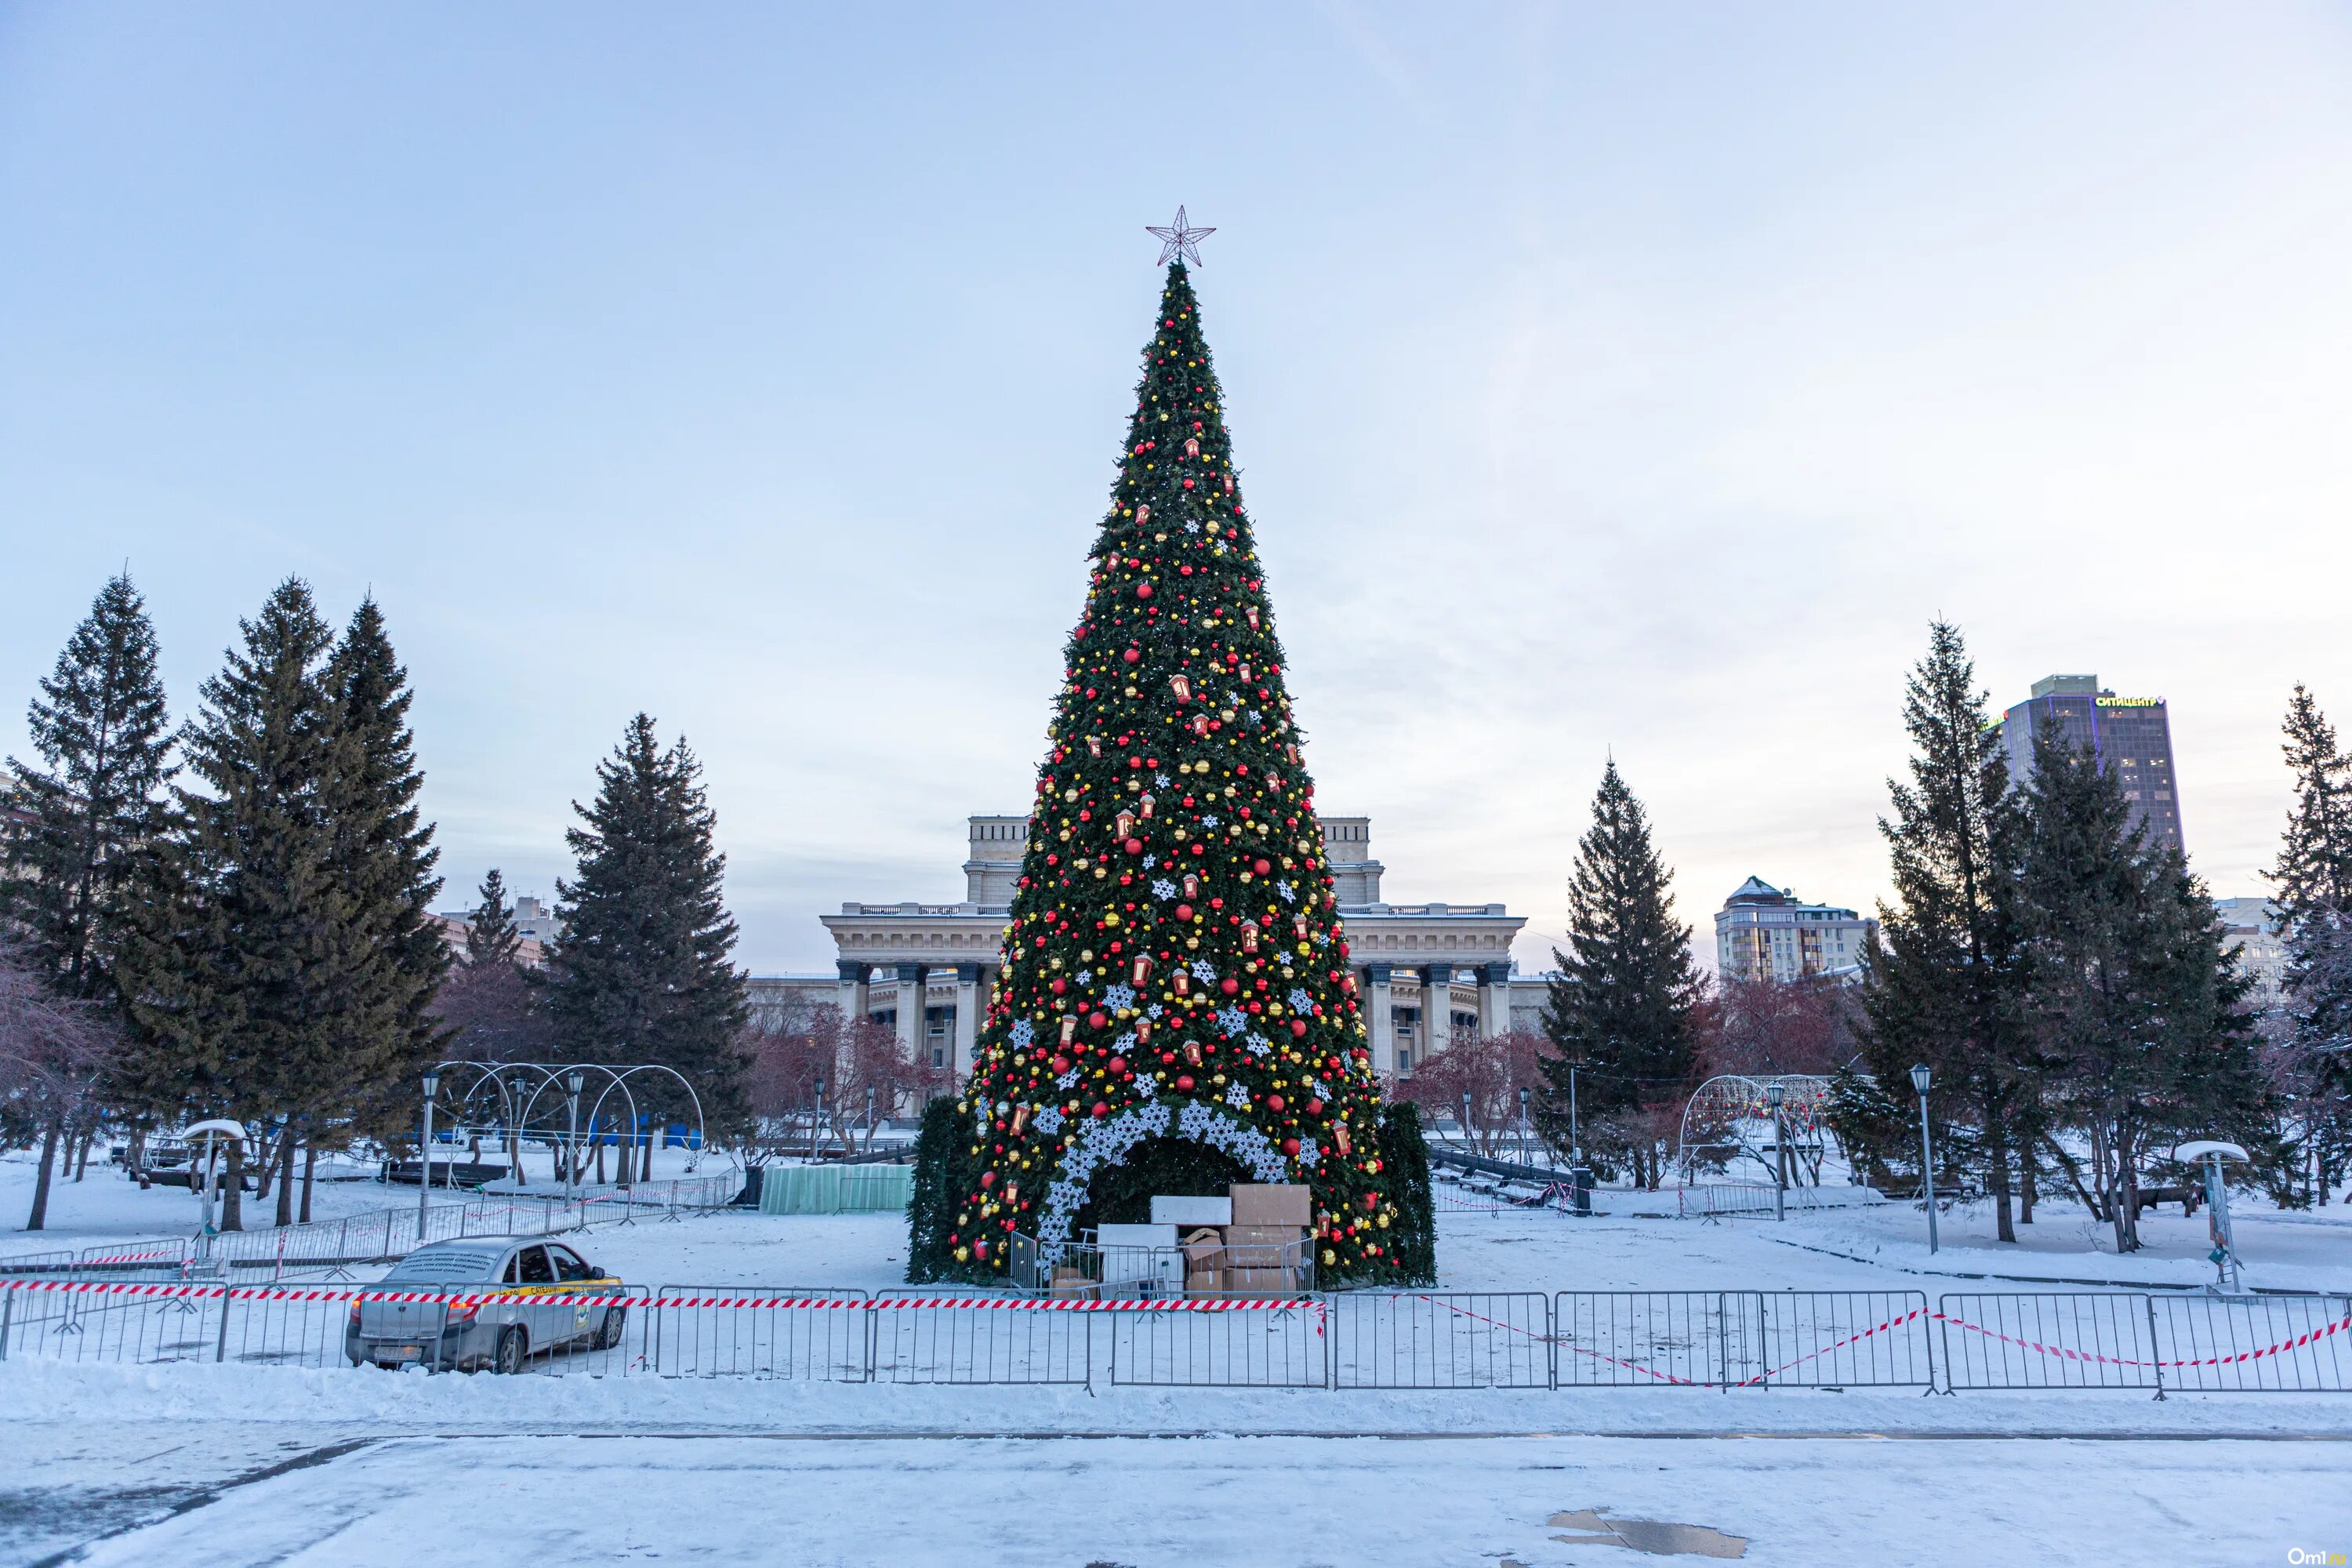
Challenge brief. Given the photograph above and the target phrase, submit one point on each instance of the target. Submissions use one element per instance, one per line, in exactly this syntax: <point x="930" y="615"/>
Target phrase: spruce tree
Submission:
<point x="1621" y="1012"/>
<point x="2313" y="878"/>
<point x="70" y="841"/>
<point x="2135" y="1006"/>
<point x="383" y="857"/>
<point x="1942" y="987"/>
<point x="640" y="973"/>
<point x="491" y="934"/>
<point x="1175" y="1009"/>
<point x="241" y="970"/>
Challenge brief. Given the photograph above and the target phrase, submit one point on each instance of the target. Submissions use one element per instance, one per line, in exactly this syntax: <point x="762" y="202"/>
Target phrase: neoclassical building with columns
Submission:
<point x="929" y="970"/>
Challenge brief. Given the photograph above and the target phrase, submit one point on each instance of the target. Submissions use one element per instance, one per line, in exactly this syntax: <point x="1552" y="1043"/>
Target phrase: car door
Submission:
<point x="545" y="1317"/>
<point x="572" y="1277"/>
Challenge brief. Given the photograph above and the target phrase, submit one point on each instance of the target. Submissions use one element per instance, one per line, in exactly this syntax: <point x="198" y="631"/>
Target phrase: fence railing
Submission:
<point x="332" y="1246"/>
<point x="1721" y="1198"/>
<point x="1725" y="1339"/>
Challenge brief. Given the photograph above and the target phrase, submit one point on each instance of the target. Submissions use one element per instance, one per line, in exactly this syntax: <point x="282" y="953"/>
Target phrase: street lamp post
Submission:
<point x="1465" y="1122"/>
<point x="1575" y="1144"/>
<point x="1523" y="1124"/>
<point x="869" y="1116"/>
<point x="573" y="1082"/>
<point x="816" y="1120"/>
<point x="1921" y="1080"/>
<point x="1778" y="1092"/>
<point x="425" y="1153"/>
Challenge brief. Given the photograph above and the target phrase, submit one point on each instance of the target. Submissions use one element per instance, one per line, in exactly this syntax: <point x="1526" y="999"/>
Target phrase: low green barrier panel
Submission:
<point x="836" y="1189"/>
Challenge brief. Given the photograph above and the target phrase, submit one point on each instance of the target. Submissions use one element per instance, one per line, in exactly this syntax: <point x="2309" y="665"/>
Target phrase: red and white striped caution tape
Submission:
<point x="2068" y="1353"/>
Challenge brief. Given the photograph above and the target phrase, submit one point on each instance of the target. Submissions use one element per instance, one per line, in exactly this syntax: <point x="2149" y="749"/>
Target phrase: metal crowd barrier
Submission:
<point x="1724" y="1340"/>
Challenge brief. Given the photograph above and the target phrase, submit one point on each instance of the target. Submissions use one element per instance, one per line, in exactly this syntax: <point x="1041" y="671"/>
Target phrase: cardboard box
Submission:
<point x="1285" y="1203"/>
<point x="1209" y="1235"/>
<point x="1192" y="1211"/>
<point x="1069" y="1283"/>
<point x="1109" y="1235"/>
<point x="1274" y="1247"/>
<point x="1262" y="1281"/>
<point x="1204" y="1264"/>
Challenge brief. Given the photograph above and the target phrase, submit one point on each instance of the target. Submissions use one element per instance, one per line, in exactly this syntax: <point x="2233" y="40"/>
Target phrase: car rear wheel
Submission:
<point x="608" y="1333"/>
<point x="512" y="1347"/>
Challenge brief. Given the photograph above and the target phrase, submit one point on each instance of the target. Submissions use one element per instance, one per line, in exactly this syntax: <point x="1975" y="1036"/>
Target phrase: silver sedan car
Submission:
<point x="542" y="1295"/>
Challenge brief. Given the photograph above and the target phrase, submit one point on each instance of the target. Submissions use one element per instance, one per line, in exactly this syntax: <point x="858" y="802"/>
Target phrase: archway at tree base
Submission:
<point x="1156" y="1167"/>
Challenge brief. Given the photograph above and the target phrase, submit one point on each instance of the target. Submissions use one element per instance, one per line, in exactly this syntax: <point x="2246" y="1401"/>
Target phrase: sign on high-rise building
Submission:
<point x="2132" y="735"/>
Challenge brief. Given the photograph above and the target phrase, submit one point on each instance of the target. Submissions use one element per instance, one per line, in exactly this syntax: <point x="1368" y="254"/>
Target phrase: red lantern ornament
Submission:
<point x="1182" y="686"/>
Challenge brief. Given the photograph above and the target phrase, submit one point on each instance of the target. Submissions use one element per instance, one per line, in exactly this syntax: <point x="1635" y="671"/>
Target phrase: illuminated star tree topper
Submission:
<point x="1177" y="239"/>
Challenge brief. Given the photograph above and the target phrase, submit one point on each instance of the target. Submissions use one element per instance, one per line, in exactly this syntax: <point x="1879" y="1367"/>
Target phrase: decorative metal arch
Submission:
<point x="1723" y="1115"/>
<point x="517" y="1086"/>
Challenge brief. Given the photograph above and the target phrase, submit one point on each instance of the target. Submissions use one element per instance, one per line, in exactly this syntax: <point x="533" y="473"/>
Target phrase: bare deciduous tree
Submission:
<point x="54" y="1053"/>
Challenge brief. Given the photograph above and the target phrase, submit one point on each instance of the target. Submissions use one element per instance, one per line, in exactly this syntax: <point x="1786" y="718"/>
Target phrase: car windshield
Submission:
<point x="445" y="1266"/>
<point x="569" y="1269"/>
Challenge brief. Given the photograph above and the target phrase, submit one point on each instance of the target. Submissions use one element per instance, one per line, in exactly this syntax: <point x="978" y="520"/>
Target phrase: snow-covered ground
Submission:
<point x="274" y="1464"/>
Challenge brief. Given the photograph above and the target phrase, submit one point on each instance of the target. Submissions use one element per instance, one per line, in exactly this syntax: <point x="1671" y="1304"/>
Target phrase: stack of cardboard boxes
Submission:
<point x="1253" y="1240"/>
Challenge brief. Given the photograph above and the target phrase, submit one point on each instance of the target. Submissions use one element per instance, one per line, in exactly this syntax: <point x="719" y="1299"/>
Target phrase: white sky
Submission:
<point x="1630" y="379"/>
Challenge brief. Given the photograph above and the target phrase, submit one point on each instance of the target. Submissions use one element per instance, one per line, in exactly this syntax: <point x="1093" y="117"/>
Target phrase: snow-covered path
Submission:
<point x="397" y="1501"/>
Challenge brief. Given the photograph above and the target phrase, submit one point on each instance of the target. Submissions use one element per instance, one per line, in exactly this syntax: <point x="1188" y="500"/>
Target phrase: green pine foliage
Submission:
<point x="1943" y="987"/>
<point x="384" y="858"/>
<point x="68" y="846"/>
<point x="2312" y="882"/>
<point x="643" y="971"/>
<point x="1174" y="965"/>
<point x="490" y="933"/>
<point x="1404" y="1155"/>
<point x="241" y="973"/>
<point x="944" y="1170"/>
<point x="2135" y="1006"/>
<point x="1621" y="1012"/>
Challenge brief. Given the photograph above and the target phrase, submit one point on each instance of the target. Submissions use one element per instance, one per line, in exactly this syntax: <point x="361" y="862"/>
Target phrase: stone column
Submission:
<point x="1494" y="998"/>
<point x="967" y="1022"/>
<point x="853" y="995"/>
<point x="910" y="1007"/>
<point x="1436" y="1008"/>
<point x="1383" y="1018"/>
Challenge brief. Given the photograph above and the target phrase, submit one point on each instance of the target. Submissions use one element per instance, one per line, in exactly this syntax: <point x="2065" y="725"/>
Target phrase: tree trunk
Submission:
<point x="40" y="1216"/>
<point x="2028" y="1190"/>
<point x="599" y="1154"/>
<point x="233" y="1187"/>
<point x="309" y="1170"/>
<point x="285" y="1164"/>
<point x="2126" y="1189"/>
<point x="514" y="1156"/>
<point x="1996" y="1170"/>
<point x="81" y="1156"/>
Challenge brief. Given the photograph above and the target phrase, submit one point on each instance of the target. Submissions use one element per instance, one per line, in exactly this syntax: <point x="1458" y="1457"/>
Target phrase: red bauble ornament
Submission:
<point x="1261" y="868"/>
<point x="1134" y="655"/>
<point x="1183" y="911"/>
<point x="1135" y="845"/>
<point x="988" y="1178"/>
<point x="1143" y="590"/>
<point x="1298" y="1028"/>
<point x="1314" y="1107"/>
<point x="1100" y="1111"/>
<point x="1184" y="1081"/>
<point x="1290" y="1147"/>
<point x="1229" y="986"/>
<point x="1061" y="1064"/>
<point x="1060" y="985"/>
<point x="1095" y="1021"/>
<point x="1273" y="1104"/>
<point x="1188" y="484"/>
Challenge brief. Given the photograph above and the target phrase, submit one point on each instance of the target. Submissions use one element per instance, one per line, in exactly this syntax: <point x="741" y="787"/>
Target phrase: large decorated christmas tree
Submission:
<point x="1176" y="1010"/>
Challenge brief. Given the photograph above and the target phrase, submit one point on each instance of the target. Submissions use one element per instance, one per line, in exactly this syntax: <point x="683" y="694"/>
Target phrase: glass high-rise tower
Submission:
<point x="2133" y="735"/>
